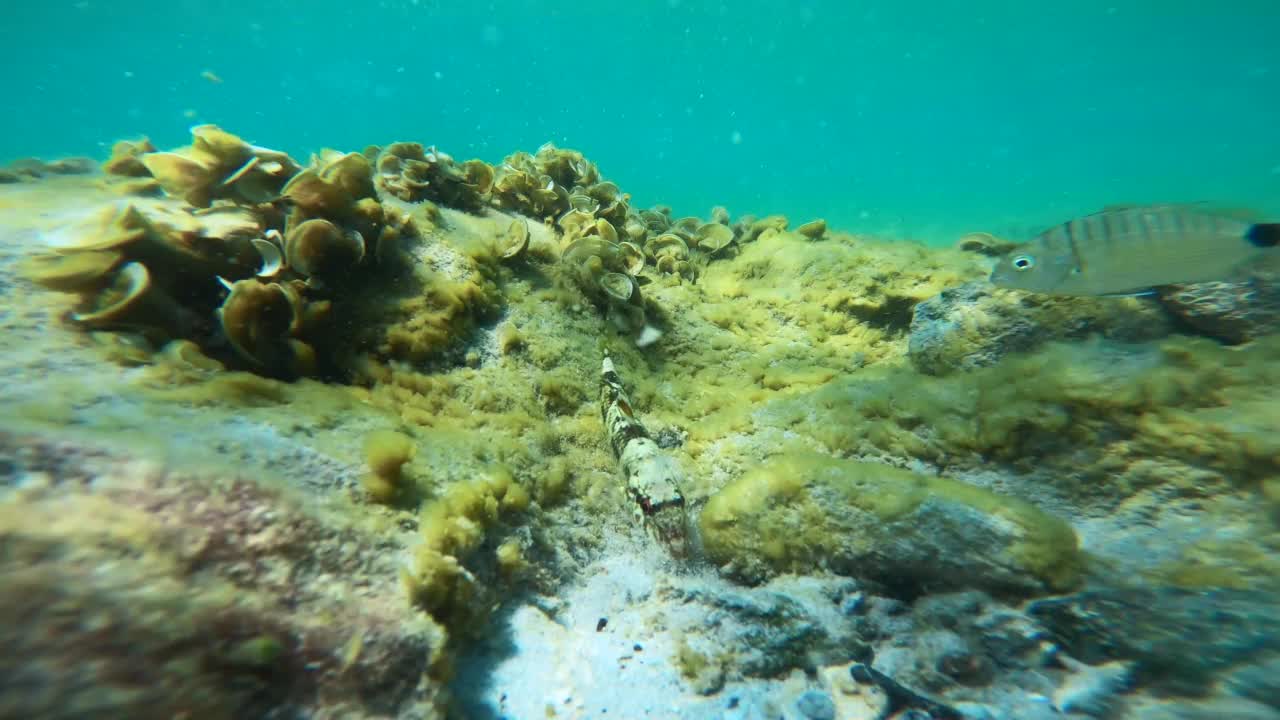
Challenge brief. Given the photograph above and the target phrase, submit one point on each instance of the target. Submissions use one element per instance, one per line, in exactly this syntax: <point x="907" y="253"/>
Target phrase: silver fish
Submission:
<point x="1132" y="249"/>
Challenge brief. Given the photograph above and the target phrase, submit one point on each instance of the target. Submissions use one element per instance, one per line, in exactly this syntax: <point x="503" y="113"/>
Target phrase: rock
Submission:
<point x="1232" y="311"/>
<point x="784" y="625"/>
<point x="1181" y="640"/>
<point x="976" y="324"/>
<point x="1011" y="638"/>
<point x="853" y="700"/>
<point x="816" y="705"/>
<point x="951" y="610"/>
<point x="1091" y="689"/>
<point x="963" y="665"/>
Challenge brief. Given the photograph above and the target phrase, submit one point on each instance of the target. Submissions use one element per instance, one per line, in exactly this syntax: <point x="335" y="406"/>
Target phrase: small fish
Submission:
<point x="211" y="76"/>
<point x="1132" y="249"/>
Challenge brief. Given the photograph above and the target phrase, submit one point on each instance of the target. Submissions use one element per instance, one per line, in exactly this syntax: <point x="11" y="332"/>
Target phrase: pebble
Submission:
<point x="854" y="604"/>
<point x="1091" y="689"/>
<point x="816" y="705"/>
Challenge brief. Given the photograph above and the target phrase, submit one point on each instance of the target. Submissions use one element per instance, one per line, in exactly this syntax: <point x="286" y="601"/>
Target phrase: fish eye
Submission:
<point x="1024" y="262"/>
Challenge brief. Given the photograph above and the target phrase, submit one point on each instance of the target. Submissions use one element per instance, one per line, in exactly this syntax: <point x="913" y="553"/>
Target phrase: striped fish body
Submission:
<point x="1133" y="249"/>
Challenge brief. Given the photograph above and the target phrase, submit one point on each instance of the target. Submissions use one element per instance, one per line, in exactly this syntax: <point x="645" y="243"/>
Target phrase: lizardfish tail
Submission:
<point x="1264" y="235"/>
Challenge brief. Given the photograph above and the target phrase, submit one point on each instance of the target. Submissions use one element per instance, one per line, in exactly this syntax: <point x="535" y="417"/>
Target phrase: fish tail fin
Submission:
<point x="1264" y="235"/>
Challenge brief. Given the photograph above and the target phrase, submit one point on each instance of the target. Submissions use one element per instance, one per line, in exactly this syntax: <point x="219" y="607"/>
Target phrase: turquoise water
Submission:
<point x="912" y="119"/>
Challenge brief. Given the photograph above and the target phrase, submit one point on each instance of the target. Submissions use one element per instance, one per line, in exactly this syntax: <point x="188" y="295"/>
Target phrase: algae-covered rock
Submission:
<point x="1094" y="420"/>
<point x="805" y="512"/>
<point x="136" y="591"/>
<point x="842" y="291"/>
<point x="1235" y="311"/>
<point x="976" y="324"/>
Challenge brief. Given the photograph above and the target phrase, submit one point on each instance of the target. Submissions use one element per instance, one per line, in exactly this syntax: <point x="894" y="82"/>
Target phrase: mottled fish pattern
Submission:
<point x="653" y="477"/>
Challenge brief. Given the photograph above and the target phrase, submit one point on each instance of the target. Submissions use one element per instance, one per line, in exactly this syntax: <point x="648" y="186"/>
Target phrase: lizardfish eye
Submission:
<point x="1024" y="262"/>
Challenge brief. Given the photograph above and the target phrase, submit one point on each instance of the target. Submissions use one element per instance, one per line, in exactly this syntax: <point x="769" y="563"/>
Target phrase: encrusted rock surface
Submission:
<point x="1234" y="311"/>
<point x="976" y="324"/>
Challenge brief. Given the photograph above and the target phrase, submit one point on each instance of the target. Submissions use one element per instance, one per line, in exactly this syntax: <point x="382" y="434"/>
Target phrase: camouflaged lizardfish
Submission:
<point x="653" y="477"/>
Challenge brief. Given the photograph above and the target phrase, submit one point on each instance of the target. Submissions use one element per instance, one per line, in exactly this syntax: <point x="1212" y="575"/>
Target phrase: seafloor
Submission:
<point x="331" y="440"/>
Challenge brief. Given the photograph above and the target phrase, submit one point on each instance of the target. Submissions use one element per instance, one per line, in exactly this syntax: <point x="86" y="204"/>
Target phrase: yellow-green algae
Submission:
<point x="454" y="527"/>
<point x="419" y="313"/>
<point x="1241" y="563"/>
<point x="803" y="512"/>
<point x="784" y="315"/>
<point x="387" y="451"/>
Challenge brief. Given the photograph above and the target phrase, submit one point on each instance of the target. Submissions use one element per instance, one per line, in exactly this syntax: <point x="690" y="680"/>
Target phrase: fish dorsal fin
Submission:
<point x="1203" y="207"/>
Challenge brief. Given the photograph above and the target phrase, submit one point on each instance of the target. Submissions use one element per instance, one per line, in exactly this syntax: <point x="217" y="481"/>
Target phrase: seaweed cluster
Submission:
<point x="551" y="182"/>
<point x="248" y="266"/>
<point x="609" y="263"/>
<point x="409" y="172"/>
<point x="126" y="158"/>
<point x="263" y="258"/>
<point x="606" y="244"/>
<point x="218" y="165"/>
